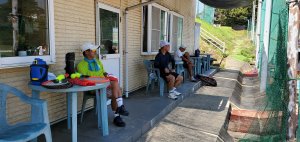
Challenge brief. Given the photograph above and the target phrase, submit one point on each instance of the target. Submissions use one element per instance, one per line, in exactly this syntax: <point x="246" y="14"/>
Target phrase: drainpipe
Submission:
<point x="298" y="129"/>
<point x="126" y="54"/>
<point x="265" y="51"/>
<point x="253" y="21"/>
<point x="126" y="40"/>
<point x="258" y="29"/>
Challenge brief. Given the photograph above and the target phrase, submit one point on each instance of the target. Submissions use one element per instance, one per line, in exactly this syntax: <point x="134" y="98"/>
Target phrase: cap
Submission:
<point x="163" y="43"/>
<point x="87" y="46"/>
<point x="182" y="46"/>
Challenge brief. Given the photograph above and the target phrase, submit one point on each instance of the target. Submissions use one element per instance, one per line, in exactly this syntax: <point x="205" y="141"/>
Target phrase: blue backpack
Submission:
<point x="38" y="71"/>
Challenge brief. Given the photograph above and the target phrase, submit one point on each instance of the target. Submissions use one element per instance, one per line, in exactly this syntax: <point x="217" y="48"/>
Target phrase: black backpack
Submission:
<point x="207" y="81"/>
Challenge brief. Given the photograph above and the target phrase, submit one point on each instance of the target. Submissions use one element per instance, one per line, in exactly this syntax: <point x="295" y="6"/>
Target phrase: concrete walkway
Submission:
<point x="201" y="117"/>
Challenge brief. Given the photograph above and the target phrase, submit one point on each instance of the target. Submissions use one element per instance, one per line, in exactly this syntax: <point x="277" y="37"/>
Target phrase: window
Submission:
<point x="176" y="36"/>
<point x="157" y="25"/>
<point x="26" y="32"/>
<point x="109" y="32"/>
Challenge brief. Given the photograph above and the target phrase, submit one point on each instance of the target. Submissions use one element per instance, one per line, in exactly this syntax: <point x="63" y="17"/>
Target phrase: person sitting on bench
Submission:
<point x="162" y="60"/>
<point x="181" y="55"/>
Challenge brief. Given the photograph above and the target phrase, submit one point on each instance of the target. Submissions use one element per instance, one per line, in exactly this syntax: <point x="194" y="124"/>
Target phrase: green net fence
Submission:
<point x="207" y="13"/>
<point x="270" y="124"/>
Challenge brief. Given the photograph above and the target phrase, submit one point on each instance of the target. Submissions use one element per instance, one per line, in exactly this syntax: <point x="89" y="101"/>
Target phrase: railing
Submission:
<point x="208" y="37"/>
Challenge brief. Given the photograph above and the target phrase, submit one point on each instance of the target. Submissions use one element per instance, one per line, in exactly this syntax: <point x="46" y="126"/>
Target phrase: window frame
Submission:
<point x="149" y="28"/>
<point x="14" y="62"/>
<point x="172" y="14"/>
<point x="169" y="27"/>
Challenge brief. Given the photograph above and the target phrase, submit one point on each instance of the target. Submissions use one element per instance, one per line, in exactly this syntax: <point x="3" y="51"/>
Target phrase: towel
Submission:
<point x="93" y="65"/>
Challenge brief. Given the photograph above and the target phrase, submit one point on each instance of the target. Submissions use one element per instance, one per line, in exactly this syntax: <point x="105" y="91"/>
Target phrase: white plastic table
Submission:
<point x="72" y="104"/>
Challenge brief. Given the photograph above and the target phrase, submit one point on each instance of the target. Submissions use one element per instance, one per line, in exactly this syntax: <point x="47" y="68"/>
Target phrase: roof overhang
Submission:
<point x="227" y="4"/>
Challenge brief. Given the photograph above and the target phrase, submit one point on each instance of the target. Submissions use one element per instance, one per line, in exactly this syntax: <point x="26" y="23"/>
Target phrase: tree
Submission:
<point x="231" y="17"/>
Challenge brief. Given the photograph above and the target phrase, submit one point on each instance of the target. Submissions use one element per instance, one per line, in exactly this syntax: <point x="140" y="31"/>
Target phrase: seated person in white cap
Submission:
<point x="91" y="66"/>
<point x="181" y="56"/>
<point x="162" y="60"/>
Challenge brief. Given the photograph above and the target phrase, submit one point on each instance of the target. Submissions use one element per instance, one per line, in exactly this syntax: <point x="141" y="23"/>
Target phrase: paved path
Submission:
<point x="199" y="118"/>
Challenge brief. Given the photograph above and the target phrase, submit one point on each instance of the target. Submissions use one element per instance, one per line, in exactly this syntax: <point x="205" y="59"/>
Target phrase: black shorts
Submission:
<point x="172" y="73"/>
<point x="185" y="65"/>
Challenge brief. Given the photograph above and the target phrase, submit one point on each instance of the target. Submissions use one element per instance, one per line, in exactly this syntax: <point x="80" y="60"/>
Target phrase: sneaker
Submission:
<point x="193" y="79"/>
<point x="122" y="111"/>
<point x="172" y="96"/>
<point x="119" y="122"/>
<point x="177" y="93"/>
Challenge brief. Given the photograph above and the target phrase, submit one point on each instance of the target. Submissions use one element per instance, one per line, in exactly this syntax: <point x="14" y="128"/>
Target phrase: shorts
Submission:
<point x="172" y="73"/>
<point x="185" y="65"/>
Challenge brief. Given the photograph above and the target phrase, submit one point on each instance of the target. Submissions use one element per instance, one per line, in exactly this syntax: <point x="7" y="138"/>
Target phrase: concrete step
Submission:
<point x="255" y="122"/>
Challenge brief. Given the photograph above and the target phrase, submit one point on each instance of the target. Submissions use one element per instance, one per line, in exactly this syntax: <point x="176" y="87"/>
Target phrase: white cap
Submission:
<point x="182" y="46"/>
<point x="87" y="46"/>
<point x="163" y="43"/>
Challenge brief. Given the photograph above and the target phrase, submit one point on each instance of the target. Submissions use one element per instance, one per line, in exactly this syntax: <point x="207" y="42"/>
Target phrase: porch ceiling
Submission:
<point x="227" y="4"/>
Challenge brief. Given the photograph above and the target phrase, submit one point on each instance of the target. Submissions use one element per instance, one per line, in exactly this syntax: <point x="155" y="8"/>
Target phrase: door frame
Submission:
<point x="98" y="36"/>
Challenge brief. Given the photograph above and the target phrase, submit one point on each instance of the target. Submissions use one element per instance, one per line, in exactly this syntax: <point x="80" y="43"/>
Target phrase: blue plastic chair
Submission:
<point x="87" y="96"/>
<point x="204" y="66"/>
<point x="180" y="69"/>
<point x="21" y="132"/>
<point x="154" y="76"/>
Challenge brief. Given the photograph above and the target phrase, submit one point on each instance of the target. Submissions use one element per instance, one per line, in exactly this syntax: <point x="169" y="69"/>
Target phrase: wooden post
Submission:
<point x="292" y="53"/>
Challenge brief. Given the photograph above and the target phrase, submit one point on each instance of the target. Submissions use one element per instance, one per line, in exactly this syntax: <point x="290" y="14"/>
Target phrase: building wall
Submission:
<point x="74" y="25"/>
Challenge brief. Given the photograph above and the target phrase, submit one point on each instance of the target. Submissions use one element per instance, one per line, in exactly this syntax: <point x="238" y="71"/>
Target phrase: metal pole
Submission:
<point x="265" y="51"/>
<point x="258" y="29"/>
<point x="126" y="54"/>
<point x="253" y="21"/>
<point x="126" y="41"/>
<point x="298" y="90"/>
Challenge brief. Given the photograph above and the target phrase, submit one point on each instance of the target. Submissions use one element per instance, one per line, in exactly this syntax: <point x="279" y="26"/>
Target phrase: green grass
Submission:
<point x="238" y="44"/>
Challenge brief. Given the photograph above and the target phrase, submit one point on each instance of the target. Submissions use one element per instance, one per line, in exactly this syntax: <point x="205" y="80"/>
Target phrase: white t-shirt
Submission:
<point x="177" y="56"/>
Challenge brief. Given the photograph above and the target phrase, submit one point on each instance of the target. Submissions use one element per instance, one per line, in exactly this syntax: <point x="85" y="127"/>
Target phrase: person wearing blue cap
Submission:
<point x="162" y="61"/>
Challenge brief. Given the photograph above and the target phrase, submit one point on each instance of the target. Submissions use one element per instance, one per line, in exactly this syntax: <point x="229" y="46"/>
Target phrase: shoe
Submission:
<point x="177" y="93"/>
<point x="172" y="96"/>
<point x="119" y="122"/>
<point x="193" y="79"/>
<point x="122" y="111"/>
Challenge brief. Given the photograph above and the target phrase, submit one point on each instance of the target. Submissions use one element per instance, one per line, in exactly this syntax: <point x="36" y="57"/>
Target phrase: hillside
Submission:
<point x="238" y="45"/>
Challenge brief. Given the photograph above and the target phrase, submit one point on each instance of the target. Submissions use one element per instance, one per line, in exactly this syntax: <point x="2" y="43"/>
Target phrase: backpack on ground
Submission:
<point x="207" y="81"/>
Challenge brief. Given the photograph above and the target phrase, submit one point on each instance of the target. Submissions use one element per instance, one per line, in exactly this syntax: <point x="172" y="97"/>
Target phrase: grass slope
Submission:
<point x="238" y="45"/>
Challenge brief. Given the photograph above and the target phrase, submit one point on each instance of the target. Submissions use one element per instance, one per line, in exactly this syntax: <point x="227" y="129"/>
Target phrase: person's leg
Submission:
<point x="117" y="104"/>
<point x="115" y="95"/>
<point x="178" y="80"/>
<point x="190" y="70"/>
<point x="171" y="80"/>
<point x="120" y="109"/>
